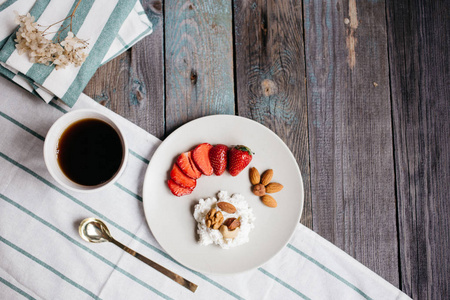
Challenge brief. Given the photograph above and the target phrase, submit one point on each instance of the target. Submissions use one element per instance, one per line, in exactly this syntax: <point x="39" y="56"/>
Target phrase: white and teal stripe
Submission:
<point x="111" y="27"/>
<point x="7" y="16"/>
<point x="51" y="260"/>
<point x="82" y="246"/>
<point x="48" y="267"/>
<point x="15" y="288"/>
<point x="39" y="72"/>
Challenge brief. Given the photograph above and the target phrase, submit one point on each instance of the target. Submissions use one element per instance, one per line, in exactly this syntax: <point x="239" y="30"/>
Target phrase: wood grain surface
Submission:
<point x="419" y="47"/>
<point x="358" y="90"/>
<point x="270" y="76"/>
<point x="199" y="60"/>
<point x="350" y="132"/>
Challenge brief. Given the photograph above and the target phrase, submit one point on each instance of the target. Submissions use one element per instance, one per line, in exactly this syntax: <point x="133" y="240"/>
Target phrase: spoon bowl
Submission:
<point x="93" y="230"/>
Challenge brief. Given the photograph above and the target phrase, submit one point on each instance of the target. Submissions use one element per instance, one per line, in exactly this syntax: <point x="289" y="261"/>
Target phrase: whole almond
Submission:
<point x="254" y="176"/>
<point x="273" y="187"/>
<point x="232" y="223"/>
<point x="227" y="207"/>
<point x="259" y="189"/>
<point x="269" y="201"/>
<point x="266" y="177"/>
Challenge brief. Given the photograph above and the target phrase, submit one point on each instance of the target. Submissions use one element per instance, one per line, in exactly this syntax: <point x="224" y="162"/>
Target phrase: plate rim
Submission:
<point x="173" y="135"/>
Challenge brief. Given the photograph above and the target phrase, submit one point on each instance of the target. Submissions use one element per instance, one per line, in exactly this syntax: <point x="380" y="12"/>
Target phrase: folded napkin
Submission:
<point x="44" y="257"/>
<point x="110" y="27"/>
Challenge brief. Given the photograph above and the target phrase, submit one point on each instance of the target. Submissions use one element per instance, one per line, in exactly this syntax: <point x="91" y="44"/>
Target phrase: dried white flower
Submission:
<point x="41" y="50"/>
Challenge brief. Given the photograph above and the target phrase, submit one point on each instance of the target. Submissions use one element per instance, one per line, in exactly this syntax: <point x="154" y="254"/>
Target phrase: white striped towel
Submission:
<point x="43" y="256"/>
<point x="111" y="27"/>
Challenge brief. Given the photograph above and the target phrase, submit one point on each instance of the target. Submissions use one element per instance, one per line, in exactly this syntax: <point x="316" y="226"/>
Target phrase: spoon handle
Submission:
<point x="175" y="277"/>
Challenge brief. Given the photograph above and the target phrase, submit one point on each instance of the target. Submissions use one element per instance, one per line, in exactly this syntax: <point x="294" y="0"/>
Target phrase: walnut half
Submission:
<point x="214" y="219"/>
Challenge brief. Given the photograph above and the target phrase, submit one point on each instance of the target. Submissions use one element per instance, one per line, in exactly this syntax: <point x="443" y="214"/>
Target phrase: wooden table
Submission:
<point x="358" y="90"/>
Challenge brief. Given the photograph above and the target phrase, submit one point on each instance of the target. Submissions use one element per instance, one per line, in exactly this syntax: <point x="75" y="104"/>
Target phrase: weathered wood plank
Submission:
<point x="199" y="60"/>
<point x="349" y="113"/>
<point x="419" y="47"/>
<point x="133" y="84"/>
<point x="270" y="75"/>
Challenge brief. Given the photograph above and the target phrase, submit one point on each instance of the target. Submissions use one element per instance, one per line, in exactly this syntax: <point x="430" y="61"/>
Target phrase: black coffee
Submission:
<point x="89" y="152"/>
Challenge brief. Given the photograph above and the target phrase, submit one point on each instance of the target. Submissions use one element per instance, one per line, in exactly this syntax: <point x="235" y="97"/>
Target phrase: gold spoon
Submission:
<point x="95" y="231"/>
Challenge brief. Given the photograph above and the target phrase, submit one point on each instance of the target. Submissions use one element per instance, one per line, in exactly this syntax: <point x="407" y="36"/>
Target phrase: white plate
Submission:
<point x="170" y="217"/>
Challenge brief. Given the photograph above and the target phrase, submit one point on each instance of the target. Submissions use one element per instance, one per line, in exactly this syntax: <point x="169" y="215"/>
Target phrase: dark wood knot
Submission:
<point x="193" y="77"/>
<point x="156" y="6"/>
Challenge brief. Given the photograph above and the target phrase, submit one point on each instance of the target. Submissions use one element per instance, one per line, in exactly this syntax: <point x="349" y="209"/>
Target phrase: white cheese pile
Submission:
<point x="212" y="236"/>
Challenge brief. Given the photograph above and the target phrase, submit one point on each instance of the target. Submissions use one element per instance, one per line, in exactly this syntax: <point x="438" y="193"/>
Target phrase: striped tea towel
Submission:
<point x="43" y="257"/>
<point x="110" y="27"/>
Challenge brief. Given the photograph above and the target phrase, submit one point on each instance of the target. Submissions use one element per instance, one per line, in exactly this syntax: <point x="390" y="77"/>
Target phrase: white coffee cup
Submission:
<point x="51" y="145"/>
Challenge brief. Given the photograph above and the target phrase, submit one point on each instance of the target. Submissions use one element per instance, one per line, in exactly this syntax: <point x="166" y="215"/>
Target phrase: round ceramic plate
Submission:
<point x="170" y="217"/>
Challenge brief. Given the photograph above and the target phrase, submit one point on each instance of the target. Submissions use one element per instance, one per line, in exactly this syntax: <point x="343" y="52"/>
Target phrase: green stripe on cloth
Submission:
<point x="120" y="39"/>
<point x="48" y="267"/>
<point x="216" y="284"/>
<point x="147" y="31"/>
<point x="6" y="4"/>
<point x="6" y="73"/>
<point x="22" y="126"/>
<point x="2" y="42"/>
<point x="332" y="273"/>
<point x="128" y="191"/>
<point x="15" y="288"/>
<point x="51" y="103"/>
<point x="40" y="72"/>
<point x="98" y="256"/>
<point x="138" y="156"/>
<point x="10" y="76"/>
<point x="101" y="216"/>
<point x="97" y="53"/>
<point x="37" y="10"/>
<point x="284" y="284"/>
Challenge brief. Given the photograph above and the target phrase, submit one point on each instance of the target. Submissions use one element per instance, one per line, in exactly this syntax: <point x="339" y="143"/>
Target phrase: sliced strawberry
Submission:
<point x="182" y="179"/>
<point x="177" y="189"/>
<point x="184" y="161"/>
<point x="238" y="158"/>
<point x="197" y="172"/>
<point x="218" y="158"/>
<point x="200" y="156"/>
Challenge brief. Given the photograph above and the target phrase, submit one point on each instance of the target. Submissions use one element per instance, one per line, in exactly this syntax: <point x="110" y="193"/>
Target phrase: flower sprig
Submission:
<point x="31" y="40"/>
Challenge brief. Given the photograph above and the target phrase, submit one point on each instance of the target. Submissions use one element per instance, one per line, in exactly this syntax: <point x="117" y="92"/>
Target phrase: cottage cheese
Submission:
<point x="211" y="236"/>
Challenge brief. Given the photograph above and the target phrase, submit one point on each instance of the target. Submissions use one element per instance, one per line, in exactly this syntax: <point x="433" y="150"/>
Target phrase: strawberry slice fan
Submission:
<point x="181" y="178"/>
<point x="186" y="164"/>
<point x="201" y="158"/>
<point x="207" y="160"/>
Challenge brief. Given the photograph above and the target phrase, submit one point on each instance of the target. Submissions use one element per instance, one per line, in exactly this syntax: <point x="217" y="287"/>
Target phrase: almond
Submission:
<point x="273" y="187"/>
<point x="232" y="223"/>
<point x="259" y="189"/>
<point x="269" y="201"/>
<point x="254" y="176"/>
<point x="227" y="207"/>
<point x="266" y="177"/>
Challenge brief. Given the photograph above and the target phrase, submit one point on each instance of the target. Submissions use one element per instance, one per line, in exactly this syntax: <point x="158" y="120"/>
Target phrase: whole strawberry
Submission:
<point x="218" y="158"/>
<point x="238" y="158"/>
